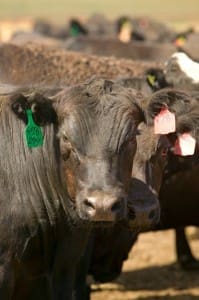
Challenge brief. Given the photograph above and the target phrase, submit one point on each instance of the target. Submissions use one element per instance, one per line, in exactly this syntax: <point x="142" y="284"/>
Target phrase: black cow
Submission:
<point x="178" y="190"/>
<point x="51" y="194"/>
<point x="179" y="169"/>
<point x="180" y="186"/>
<point x="149" y="164"/>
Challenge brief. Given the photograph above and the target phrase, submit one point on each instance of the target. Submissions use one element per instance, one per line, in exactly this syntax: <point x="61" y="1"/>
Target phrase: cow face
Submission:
<point x="96" y="126"/>
<point x="153" y="151"/>
<point x="97" y="129"/>
<point x="150" y="164"/>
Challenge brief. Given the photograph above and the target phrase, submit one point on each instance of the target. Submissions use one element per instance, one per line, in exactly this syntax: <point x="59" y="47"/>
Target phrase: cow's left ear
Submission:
<point x="175" y="101"/>
<point x="42" y="108"/>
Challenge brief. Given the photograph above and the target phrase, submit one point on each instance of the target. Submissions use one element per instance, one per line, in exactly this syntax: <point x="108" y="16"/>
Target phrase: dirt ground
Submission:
<point x="151" y="272"/>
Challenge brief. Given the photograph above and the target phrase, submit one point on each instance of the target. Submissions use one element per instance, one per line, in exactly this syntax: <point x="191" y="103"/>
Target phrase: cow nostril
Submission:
<point x="131" y="214"/>
<point x="116" y="206"/>
<point x="152" y="214"/>
<point x="89" y="204"/>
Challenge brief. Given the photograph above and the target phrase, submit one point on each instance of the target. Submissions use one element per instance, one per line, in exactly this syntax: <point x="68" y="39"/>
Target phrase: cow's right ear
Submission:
<point x="42" y="108"/>
<point x="175" y="111"/>
<point x="156" y="79"/>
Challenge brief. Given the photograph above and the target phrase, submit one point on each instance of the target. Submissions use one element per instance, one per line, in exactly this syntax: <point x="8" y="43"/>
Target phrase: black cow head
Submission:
<point x="96" y="126"/>
<point x="151" y="160"/>
<point x="154" y="150"/>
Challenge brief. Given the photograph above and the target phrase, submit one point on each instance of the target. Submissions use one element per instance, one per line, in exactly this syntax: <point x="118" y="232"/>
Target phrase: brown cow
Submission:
<point x="34" y="64"/>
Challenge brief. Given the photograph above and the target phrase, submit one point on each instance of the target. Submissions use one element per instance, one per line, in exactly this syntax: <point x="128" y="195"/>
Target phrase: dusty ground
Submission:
<point x="151" y="273"/>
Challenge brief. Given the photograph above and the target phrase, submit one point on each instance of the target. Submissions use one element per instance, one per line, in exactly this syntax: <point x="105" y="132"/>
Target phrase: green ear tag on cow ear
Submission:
<point x="74" y="31"/>
<point x="33" y="133"/>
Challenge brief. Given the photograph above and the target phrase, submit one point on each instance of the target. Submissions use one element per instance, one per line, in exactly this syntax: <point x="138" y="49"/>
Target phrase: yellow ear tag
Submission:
<point x="151" y="79"/>
<point x="180" y="41"/>
<point x="125" y="33"/>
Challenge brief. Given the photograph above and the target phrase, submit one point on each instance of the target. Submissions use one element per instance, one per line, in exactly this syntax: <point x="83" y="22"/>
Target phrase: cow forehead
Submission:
<point x="106" y="121"/>
<point x="84" y="129"/>
<point x="80" y="103"/>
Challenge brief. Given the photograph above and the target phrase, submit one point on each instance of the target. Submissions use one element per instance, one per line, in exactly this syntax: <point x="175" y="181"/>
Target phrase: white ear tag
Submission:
<point x="185" y="145"/>
<point x="164" y="122"/>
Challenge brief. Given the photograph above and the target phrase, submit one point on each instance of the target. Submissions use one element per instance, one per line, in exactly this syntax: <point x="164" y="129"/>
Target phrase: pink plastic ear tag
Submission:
<point x="185" y="145"/>
<point x="164" y="122"/>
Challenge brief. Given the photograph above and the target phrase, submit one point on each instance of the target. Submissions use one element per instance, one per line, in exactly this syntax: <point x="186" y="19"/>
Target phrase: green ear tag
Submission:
<point x="33" y="132"/>
<point x="74" y="31"/>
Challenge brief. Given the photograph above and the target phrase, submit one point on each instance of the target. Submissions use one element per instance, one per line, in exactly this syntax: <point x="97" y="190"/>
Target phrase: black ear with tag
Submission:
<point x="175" y="101"/>
<point x="19" y="106"/>
<point x="42" y="108"/>
<point x="156" y="79"/>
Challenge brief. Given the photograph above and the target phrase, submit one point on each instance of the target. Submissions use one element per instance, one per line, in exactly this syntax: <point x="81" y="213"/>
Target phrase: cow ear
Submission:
<point x="76" y="28"/>
<point x="156" y="79"/>
<point x="42" y="108"/>
<point x="174" y="101"/>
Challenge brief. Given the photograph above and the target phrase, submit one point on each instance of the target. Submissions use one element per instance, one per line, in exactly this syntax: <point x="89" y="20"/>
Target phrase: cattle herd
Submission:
<point x="99" y="135"/>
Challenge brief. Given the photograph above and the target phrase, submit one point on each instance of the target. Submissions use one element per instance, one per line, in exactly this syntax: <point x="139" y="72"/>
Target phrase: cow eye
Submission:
<point x="138" y="132"/>
<point x="65" y="147"/>
<point x="133" y="134"/>
<point x="64" y="138"/>
<point x="76" y="156"/>
<point x="66" y="155"/>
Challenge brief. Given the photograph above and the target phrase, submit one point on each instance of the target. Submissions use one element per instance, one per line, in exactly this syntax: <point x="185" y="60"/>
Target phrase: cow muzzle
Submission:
<point x="101" y="206"/>
<point x="143" y="207"/>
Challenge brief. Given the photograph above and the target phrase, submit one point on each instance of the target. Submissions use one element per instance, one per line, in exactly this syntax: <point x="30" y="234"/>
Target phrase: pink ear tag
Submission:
<point x="185" y="145"/>
<point x="164" y="122"/>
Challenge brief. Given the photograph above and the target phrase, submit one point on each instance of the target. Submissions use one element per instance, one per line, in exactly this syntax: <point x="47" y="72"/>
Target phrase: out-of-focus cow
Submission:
<point x="182" y="72"/>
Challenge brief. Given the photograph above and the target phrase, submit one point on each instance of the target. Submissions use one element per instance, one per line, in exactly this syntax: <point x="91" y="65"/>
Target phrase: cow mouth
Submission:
<point x="131" y="213"/>
<point x="105" y="276"/>
<point x="103" y="224"/>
